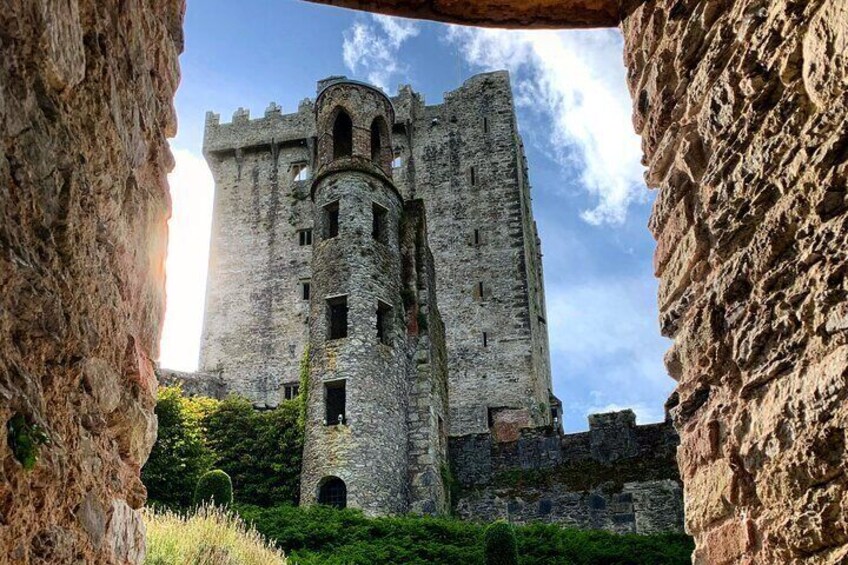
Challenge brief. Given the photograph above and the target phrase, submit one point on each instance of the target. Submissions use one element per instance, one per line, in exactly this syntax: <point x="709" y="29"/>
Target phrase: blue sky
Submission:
<point x="589" y="199"/>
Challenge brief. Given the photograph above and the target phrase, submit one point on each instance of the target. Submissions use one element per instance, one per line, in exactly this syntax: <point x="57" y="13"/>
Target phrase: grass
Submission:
<point x="325" y="536"/>
<point x="209" y="536"/>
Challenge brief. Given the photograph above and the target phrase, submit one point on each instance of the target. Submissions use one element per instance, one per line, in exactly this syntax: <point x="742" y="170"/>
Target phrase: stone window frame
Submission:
<point x="306" y="289"/>
<point x="304" y="237"/>
<point x="342" y="135"/>
<point x="335" y="301"/>
<point x="384" y="323"/>
<point x="291" y="391"/>
<point x="379" y="223"/>
<point x="336" y="417"/>
<point x="300" y="171"/>
<point x="331" y="224"/>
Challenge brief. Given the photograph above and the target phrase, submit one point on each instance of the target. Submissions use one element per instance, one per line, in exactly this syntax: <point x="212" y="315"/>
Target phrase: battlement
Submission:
<point x="273" y="127"/>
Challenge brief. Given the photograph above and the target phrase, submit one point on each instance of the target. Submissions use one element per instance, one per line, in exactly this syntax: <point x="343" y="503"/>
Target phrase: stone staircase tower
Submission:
<point x="355" y="451"/>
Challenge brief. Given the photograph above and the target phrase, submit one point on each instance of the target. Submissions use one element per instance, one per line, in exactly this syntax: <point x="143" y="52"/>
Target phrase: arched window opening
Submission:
<point x="333" y="492"/>
<point x="377" y="140"/>
<point x="342" y="136"/>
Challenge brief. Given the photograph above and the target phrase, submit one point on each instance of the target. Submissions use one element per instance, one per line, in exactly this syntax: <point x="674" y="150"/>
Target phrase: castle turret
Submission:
<point x="355" y="451"/>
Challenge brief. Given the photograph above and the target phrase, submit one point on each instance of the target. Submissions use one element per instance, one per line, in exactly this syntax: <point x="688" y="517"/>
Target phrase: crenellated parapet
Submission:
<point x="273" y="128"/>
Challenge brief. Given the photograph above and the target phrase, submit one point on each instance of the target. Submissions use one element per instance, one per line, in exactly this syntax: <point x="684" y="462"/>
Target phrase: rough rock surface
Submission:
<point x="85" y="108"/>
<point x="498" y="13"/>
<point x="742" y="110"/>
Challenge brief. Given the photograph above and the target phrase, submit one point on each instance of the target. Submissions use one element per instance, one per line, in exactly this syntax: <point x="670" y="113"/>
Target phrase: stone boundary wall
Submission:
<point x="210" y="385"/>
<point x="617" y="476"/>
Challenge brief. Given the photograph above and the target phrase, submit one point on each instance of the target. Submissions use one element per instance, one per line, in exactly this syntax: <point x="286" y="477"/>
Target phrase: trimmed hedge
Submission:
<point x="214" y="487"/>
<point x="323" y="535"/>
<point x="499" y="545"/>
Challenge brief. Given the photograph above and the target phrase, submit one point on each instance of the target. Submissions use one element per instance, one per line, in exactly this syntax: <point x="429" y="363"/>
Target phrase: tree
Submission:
<point x="179" y="456"/>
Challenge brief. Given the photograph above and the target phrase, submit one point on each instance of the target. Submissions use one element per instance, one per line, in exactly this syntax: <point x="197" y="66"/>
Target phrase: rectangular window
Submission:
<point x="472" y="175"/>
<point x="378" y="223"/>
<point x="485" y="125"/>
<point x="397" y="162"/>
<point x="337" y="314"/>
<point x="306" y="289"/>
<point x="291" y="391"/>
<point x="331" y="220"/>
<point x="480" y="291"/>
<point x="334" y="400"/>
<point x="485" y="339"/>
<point x="304" y="237"/>
<point x="384" y="323"/>
<point x="300" y="171"/>
<point x="476" y="237"/>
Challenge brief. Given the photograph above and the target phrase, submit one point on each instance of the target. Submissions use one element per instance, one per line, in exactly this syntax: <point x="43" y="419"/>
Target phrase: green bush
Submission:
<point x="324" y="535"/>
<point x="499" y="545"/>
<point x="179" y="456"/>
<point x="260" y="450"/>
<point x="214" y="487"/>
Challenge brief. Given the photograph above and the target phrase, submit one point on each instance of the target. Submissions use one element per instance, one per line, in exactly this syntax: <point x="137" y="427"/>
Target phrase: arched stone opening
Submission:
<point x="332" y="491"/>
<point x="379" y="141"/>
<point x="342" y="135"/>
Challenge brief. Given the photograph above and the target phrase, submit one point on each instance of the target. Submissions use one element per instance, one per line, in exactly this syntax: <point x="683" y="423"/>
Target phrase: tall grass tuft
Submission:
<point x="208" y="536"/>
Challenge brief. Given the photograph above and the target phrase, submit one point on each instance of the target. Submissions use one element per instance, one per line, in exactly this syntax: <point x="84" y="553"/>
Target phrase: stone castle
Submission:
<point x="382" y="254"/>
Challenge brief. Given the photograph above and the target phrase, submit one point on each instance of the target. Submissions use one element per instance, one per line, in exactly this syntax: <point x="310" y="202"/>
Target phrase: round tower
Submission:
<point x="355" y="450"/>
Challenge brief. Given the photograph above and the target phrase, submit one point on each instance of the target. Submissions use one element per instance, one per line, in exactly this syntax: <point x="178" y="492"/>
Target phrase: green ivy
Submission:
<point x="25" y="440"/>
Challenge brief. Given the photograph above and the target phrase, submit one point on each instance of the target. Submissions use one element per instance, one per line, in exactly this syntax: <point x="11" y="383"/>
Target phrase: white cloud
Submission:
<point x="577" y="78"/>
<point x="192" y="190"/>
<point x="371" y="50"/>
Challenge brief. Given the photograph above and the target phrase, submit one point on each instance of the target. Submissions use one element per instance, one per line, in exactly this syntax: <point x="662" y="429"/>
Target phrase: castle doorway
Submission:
<point x="333" y="492"/>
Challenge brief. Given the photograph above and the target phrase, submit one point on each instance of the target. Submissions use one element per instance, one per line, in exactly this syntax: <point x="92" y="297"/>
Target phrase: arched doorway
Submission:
<point x="332" y="492"/>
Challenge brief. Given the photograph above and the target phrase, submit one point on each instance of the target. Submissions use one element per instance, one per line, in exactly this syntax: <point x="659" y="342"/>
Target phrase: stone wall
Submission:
<point x="617" y="476"/>
<point x="465" y="160"/>
<point x="428" y="396"/>
<point x="85" y="108"/>
<point x="742" y="110"/>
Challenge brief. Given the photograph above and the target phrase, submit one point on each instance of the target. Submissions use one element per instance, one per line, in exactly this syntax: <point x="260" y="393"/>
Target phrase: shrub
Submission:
<point x="214" y="487"/>
<point x="324" y="535"/>
<point x="210" y="536"/>
<point x="179" y="455"/>
<point x="260" y="450"/>
<point x="499" y="545"/>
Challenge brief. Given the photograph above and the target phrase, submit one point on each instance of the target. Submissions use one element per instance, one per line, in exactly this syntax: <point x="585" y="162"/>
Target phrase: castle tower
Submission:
<point x="355" y="451"/>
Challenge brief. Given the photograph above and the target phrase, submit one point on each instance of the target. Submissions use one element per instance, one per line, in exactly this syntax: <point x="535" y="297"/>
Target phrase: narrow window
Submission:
<point x="384" y="323"/>
<point x="378" y="223"/>
<point x="476" y="237"/>
<point x="334" y="400"/>
<point x="291" y="391"/>
<point x="377" y="139"/>
<point x="331" y="220"/>
<point x="333" y="492"/>
<point x="304" y="237"/>
<point x="554" y="416"/>
<point x="472" y="176"/>
<point x="300" y="171"/>
<point x="480" y="290"/>
<point x="397" y="162"/>
<point x="485" y="339"/>
<point x="337" y="311"/>
<point x="485" y="125"/>
<point x="306" y="289"/>
<point x="342" y="136"/>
